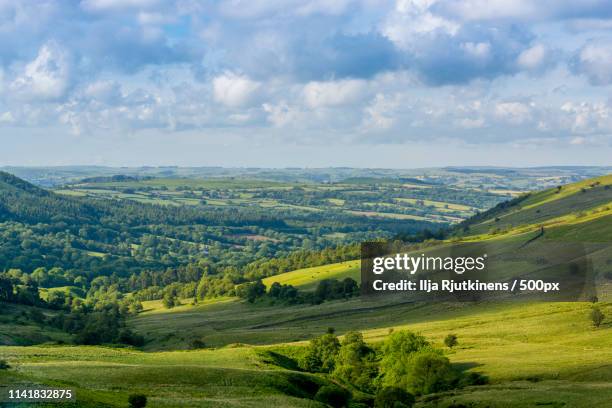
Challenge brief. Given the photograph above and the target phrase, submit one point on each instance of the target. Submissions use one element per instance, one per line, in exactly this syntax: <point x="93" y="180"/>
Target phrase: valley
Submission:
<point x="223" y="342"/>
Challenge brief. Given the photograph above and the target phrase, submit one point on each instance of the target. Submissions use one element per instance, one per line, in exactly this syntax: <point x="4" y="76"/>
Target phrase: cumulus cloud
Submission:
<point x="47" y="77"/>
<point x="533" y="57"/>
<point x="234" y="90"/>
<point x="594" y="60"/>
<point x="399" y="70"/>
<point x="513" y="112"/>
<point x="333" y="93"/>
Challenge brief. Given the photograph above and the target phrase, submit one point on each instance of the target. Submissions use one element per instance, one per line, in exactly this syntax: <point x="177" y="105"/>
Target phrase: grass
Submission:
<point x="436" y="204"/>
<point x="307" y="279"/>
<point x="173" y="183"/>
<point x="552" y="205"/>
<point x="533" y="353"/>
<point x="232" y="377"/>
<point x="390" y="215"/>
<point x="16" y="328"/>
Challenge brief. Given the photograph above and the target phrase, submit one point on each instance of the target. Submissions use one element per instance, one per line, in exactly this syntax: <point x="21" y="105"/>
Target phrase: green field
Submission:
<point x="363" y="197"/>
<point x="307" y="278"/>
<point x="227" y="352"/>
<point x="537" y="354"/>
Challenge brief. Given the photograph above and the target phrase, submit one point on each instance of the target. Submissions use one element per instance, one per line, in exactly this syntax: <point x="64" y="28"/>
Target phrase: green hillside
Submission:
<point x="535" y="354"/>
<point x="307" y="278"/>
<point x="549" y="207"/>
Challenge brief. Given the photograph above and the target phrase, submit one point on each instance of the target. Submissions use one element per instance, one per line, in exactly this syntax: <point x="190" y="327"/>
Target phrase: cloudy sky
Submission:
<point x="308" y="83"/>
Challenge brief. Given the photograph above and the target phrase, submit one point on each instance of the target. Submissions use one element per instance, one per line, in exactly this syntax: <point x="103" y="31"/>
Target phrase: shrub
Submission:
<point x="597" y="317"/>
<point x="197" y="344"/>
<point x="430" y="372"/>
<point x="4" y="365"/>
<point x="356" y="362"/>
<point x="393" y="397"/>
<point x="170" y="301"/>
<point x="137" y="401"/>
<point x="473" y="379"/>
<point x="321" y="354"/>
<point x="397" y="351"/>
<point x="450" y="340"/>
<point x="126" y="336"/>
<point x="333" y="396"/>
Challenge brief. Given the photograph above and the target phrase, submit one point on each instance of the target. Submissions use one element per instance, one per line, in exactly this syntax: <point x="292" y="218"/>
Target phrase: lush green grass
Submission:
<point x="18" y="328"/>
<point x="307" y="279"/>
<point x="552" y="205"/>
<point x="231" y="377"/>
<point x="533" y="353"/>
<point x="536" y="354"/>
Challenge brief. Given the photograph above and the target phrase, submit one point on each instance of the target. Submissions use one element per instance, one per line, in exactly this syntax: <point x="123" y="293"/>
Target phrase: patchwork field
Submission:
<point x="368" y="197"/>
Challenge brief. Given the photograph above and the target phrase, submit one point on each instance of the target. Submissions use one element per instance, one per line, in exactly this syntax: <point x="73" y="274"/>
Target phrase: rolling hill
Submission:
<point x="535" y="353"/>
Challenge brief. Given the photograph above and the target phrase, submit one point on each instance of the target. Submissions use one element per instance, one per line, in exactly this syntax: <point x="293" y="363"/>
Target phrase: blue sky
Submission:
<point x="311" y="83"/>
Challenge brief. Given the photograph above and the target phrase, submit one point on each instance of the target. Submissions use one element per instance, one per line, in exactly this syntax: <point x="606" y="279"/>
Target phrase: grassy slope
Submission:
<point x="532" y="353"/>
<point x="543" y="354"/>
<point x="16" y="327"/>
<point x="549" y="205"/>
<point x="307" y="278"/>
<point x="232" y="377"/>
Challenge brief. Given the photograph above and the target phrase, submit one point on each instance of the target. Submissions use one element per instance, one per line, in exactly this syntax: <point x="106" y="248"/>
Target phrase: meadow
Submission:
<point x="223" y="351"/>
<point x="544" y="354"/>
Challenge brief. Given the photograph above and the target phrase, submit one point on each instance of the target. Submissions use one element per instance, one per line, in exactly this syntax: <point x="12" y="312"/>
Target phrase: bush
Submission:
<point x="137" y="401"/>
<point x="473" y="379"/>
<point x="333" y="396"/>
<point x="397" y="351"/>
<point x="430" y="372"/>
<point x="4" y="365"/>
<point x="451" y="340"/>
<point x="393" y="397"/>
<point x="597" y="316"/>
<point x="170" y="301"/>
<point x="321" y="354"/>
<point x="126" y="336"/>
<point x="197" y="344"/>
<point x="356" y="362"/>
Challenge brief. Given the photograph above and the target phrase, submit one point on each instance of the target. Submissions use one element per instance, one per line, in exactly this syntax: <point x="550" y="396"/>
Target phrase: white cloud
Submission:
<point x="532" y="58"/>
<point x="103" y="91"/>
<point x="47" y="77"/>
<point x="595" y="61"/>
<point x="7" y="117"/>
<point x="480" y="50"/>
<point x="234" y="91"/>
<point x="412" y="19"/>
<point x="334" y="93"/>
<point x="587" y="118"/>
<point x="380" y="114"/>
<point x="494" y="9"/>
<point x="104" y="5"/>
<point x="281" y="114"/>
<point x="468" y="123"/>
<point x="515" y="113"/>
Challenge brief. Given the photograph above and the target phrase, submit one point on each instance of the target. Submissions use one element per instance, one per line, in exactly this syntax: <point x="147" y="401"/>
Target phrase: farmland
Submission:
<point x="211" y="347"/>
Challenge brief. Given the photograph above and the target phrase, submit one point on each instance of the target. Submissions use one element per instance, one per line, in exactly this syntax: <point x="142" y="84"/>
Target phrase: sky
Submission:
<point x="310" y="83"/>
